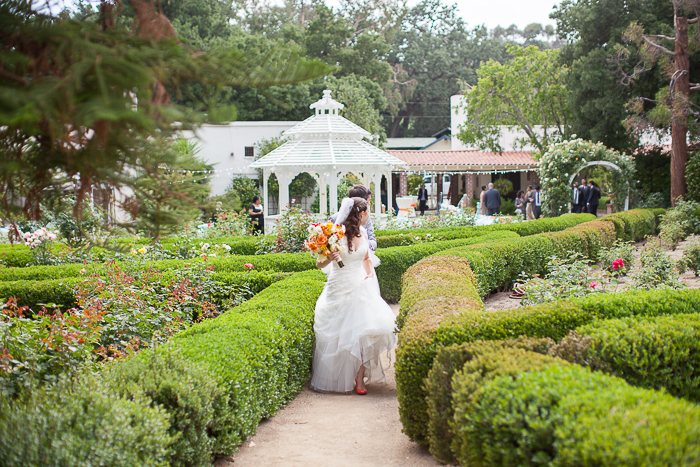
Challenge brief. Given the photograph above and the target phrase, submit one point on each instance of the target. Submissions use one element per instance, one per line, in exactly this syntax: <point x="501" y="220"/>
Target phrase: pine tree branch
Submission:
<point x="660" y="47"/>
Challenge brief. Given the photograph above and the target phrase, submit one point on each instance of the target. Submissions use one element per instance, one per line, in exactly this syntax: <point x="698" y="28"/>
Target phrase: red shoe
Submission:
<point x="361" y="392"/>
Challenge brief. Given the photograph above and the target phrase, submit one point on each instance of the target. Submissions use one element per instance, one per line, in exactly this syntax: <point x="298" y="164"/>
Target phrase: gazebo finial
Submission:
<point x="327" y="103"/>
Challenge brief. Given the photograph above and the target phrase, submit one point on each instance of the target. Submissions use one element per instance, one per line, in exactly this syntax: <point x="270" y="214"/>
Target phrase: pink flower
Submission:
<point x="248" y="266"/>
<point x="618" y="263"/>
<point x="593" y="284"/>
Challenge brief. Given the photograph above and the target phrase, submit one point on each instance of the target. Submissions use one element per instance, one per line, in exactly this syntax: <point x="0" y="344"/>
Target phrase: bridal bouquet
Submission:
<point x="325" y="239"/>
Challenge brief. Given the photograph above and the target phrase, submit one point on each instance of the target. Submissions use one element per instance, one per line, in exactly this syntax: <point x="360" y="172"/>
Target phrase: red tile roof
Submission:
<point x="465" y="160"/>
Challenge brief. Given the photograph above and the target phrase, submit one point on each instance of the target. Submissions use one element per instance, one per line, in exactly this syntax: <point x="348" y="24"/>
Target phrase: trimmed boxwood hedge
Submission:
<point x="259" y="352"/>
<point x="498" y="264"/>
<point x="82" y="424"/>
<point x="554" y="320"/>
<point x="439" y="385"/>
<point x="389" y="238"/>
<point x="567" y="415"/>
<point x="634" y="225"/>
<point x="279" y="262"/>
<point x="395" y="261"/>
<point x="657" y="352"/>
<point x="18" y="255"/>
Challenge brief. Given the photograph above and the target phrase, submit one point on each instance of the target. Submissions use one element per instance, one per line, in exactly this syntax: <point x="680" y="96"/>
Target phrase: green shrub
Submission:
<point x="568" y="415"/>
<point x="655" y="268"/>
<point x="61" y="292"/>
<point x="425" y="332"/>
<point x="259" y="353"/>
<point x="691" y="256"/>
<point x="658" y="352"/>
<point x="439" y="385"/>
<point x="433" y="289"/>
<point x="196" y="405"/>
<point x="478" y="427"/>
<point x="388" y="238"/>
<point x="281" y="262"/>
<point x="82" y="424"/>
<point x="498" y="264"/>
<point x="638" y="223"/>
<point x="395" y="261"/>
<point x="17" y="256"/>
<point x="620" y="250"/>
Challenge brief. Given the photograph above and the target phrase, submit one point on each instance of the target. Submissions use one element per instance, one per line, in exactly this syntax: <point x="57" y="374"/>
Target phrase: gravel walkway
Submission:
<point x="334" y="430"/>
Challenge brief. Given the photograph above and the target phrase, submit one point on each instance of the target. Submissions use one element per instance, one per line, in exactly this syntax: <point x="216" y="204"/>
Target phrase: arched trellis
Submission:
<point x="606" y="164"/>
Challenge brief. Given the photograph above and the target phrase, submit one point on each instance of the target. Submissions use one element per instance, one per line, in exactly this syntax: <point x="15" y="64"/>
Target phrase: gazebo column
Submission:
<point x="266" y="177"/>
<point x="389" y="192"/>
<point x="333" y="186"/>
<point x="377" y="176"/>
<point x="283" y="180"/>
<point x="322" y="195"/>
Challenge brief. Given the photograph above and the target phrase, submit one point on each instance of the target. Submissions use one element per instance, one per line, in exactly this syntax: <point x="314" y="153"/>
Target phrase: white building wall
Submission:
<point x="224" y="147"/>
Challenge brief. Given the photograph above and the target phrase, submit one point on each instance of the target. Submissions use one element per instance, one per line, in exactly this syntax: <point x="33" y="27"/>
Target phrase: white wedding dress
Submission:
<point x="353" y="325"/>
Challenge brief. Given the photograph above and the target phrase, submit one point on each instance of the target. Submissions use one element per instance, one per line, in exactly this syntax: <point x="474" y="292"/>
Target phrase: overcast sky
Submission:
<point x="493" y="13"/>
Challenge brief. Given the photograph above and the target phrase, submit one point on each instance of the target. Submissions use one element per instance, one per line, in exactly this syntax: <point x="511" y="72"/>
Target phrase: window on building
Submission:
<point x="249" y="151"/>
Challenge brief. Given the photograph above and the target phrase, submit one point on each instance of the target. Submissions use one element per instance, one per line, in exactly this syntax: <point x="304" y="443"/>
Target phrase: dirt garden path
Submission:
<point x="334" y="430"/>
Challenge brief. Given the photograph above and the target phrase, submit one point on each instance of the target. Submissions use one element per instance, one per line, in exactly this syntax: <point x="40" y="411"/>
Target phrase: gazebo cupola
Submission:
<point x="327" y="147"/>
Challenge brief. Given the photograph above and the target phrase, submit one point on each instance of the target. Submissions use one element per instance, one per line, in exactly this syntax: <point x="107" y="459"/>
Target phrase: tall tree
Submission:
<point x="591" y="31"/>
<point x="431" y="54"/>
<point x="672" y="106"/>
<point x="84" y="102"/>
<point x="526" y="92"/>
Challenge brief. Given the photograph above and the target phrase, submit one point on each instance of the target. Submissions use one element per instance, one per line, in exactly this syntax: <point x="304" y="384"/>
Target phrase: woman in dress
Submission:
<point x="530" y="199"/>
<point x="353" y="324"/>
<point x="256" y="216"/>
<point x="483" y="210"/>
<point x="521" y="202"/>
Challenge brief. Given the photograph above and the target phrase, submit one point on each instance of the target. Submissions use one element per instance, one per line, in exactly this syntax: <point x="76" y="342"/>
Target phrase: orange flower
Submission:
<point x="312" y="246"/>
<point x="322" y="239"/>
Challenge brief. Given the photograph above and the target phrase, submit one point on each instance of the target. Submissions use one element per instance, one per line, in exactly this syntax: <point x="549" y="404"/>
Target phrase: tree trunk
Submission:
<point x="679" y="129"/>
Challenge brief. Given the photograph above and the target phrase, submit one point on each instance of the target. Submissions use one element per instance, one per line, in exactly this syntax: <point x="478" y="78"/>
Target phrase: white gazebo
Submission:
<point x="328" y="147"/>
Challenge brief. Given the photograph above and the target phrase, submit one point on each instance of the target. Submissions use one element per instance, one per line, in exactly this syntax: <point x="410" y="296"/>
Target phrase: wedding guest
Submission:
<point x="537" y="202"/>
<point x="593" y="198"/>
<point x="529" y="215"/>
<point x="583" y="195"/>
<point x="482" y="204"/>
<point x="521" y="202"/>
<point x="492" y="198"/>
<point x="422" y="199"/>
<point x="575" y="208"/>
<point x="257" y="217"/>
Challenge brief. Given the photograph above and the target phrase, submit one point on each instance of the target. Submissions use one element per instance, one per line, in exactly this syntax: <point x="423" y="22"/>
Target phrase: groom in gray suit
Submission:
<point x="359" y="191"/>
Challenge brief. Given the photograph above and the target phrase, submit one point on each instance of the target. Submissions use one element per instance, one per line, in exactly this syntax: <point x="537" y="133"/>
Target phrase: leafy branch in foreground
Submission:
<point x="83" y="104"/>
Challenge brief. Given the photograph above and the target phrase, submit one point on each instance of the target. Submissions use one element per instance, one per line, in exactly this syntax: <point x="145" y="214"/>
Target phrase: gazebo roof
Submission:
<point x="327" y="140"/>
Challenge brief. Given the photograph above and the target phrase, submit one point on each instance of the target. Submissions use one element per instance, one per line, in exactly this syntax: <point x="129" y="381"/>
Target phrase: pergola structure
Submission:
<point x="327" y="147"/>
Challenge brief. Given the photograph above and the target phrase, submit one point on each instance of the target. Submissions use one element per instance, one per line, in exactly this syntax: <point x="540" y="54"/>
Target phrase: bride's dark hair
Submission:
<point x="352" y="222"/>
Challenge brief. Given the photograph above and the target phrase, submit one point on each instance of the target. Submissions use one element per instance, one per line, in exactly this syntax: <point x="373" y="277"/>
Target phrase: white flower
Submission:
<point x="332" y="239"/>
<point x="226" y="247"/>
<point x="205" y="246"/>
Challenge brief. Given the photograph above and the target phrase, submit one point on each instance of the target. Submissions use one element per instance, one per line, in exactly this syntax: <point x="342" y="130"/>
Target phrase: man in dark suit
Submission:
<point x="492" y="198"/>
<point x="537" y="203"/>
<point x="575" y="207"/>
<point x="422" y="199"/>
<point x="593" y="198"/>
<point x="583" y="195"/>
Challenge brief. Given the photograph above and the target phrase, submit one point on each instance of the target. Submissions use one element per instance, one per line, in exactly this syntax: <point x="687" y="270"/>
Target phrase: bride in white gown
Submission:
<point x="353" y="324"/>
